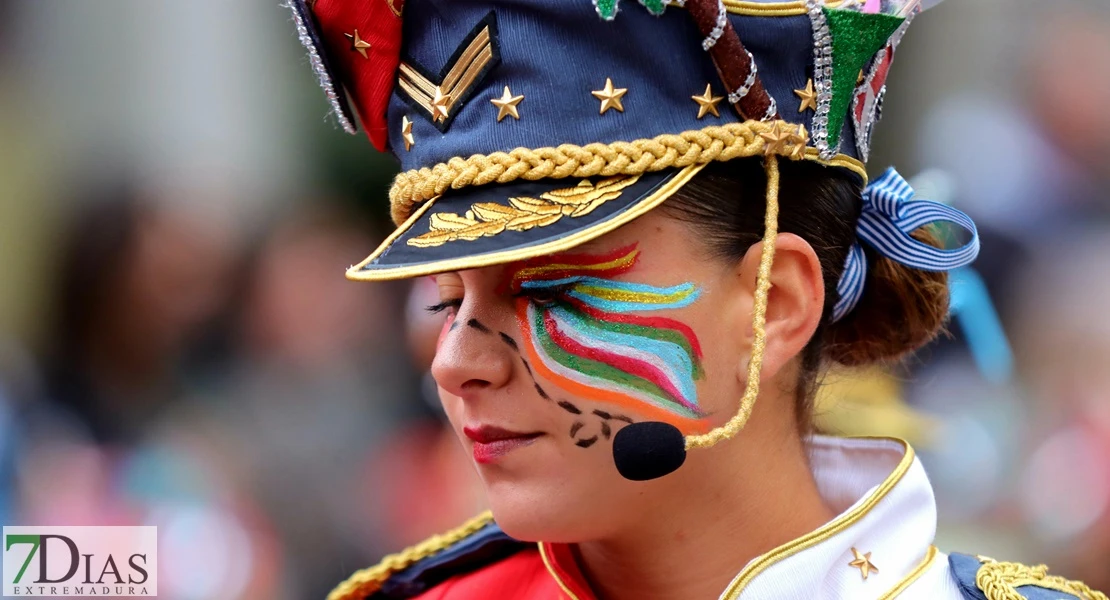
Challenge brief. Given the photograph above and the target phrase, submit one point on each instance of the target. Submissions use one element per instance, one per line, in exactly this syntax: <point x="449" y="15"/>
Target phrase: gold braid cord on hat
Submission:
<point x="717" y="143"/>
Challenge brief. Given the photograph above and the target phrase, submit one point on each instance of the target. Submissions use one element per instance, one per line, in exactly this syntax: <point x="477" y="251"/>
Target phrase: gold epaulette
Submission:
<point x="364" y="582"/>
<point x="1000" y="580"/>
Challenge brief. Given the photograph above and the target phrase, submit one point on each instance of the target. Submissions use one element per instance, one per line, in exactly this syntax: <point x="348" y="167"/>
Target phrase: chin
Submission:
<point x="551" y="510"/>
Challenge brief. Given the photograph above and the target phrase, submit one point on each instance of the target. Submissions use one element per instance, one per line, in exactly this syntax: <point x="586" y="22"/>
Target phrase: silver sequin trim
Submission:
<point x="822" y="79"/>
<point x="321" y="72"/>
<point x="718" y="30"/>
<point x="772" y="109"/>
<point x="739" y="94"/>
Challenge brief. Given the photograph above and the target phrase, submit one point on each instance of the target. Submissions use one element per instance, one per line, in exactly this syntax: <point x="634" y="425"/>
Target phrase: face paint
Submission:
<point x="585" y="341"/>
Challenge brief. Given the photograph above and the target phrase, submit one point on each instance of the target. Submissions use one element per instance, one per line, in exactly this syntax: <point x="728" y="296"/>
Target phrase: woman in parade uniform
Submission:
<point x="649" y="231"/>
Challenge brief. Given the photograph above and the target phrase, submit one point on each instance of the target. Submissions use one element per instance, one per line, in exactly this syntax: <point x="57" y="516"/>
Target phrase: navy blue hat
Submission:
<point x="525" y="127"/>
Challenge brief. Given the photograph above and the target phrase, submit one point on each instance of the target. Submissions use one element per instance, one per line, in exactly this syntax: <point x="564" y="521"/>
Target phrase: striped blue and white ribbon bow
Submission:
<point x="889" y="215"/>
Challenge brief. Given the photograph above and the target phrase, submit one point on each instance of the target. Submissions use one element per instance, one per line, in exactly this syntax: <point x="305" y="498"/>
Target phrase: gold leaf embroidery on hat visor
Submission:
<point x="487" y="219"/>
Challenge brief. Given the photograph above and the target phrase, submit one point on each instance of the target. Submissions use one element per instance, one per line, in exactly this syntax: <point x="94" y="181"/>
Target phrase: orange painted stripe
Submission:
<point x="652" y="412"/>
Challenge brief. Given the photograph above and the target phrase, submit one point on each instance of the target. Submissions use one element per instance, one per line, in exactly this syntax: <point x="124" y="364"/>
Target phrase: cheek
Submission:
<point x="648" y="366"/>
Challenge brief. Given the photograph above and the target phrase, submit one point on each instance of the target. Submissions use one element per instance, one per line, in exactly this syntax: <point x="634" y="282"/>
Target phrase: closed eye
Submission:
<point x="546" y="295"/>
<point x="442" y="306"/>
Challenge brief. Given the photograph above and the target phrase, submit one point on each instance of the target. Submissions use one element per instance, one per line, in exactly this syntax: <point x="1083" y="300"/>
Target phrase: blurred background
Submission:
<point x="178" y="345"/>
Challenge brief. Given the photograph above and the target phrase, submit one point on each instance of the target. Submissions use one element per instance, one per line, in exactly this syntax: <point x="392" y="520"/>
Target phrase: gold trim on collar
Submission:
<point x="749" y="8"/>
<point x="365" y="582"/>
<point x="644" y="205"/>
<point x="551" y="571"/>
<point x="914" y="575"/>
<point x="760" y="564"/>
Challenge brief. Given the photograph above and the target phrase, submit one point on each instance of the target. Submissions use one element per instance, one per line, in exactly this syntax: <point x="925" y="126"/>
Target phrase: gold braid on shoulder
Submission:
<point x="717" y="143"/>
<point x="1000" y="580"/>
<point x="364" y="582"/>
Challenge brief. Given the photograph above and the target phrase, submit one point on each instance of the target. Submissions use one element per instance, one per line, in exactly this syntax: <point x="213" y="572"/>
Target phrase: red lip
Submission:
<point x="491" y="443"/>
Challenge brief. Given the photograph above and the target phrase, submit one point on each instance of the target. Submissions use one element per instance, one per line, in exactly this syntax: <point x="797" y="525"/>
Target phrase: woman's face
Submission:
<point x="540" y="362"/>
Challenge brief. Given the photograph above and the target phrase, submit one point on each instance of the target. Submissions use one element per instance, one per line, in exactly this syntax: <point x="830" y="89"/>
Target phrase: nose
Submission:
<point x="474" y="356"/>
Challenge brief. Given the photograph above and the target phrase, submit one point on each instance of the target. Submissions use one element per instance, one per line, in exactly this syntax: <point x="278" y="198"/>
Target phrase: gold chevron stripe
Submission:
<point x="459" y="78"/>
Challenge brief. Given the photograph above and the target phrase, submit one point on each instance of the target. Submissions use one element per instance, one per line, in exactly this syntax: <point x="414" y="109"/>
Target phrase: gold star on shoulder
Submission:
<point x="441" y="103"/>
<point x="863" y="563"/>
<point x="406" y="132"/>
<point x="707" y="102"/>
<point x="358" y="44"/>
<point x="506" y="105"/>
<point x="610" y="97"/>
<point x="808" y="96"/>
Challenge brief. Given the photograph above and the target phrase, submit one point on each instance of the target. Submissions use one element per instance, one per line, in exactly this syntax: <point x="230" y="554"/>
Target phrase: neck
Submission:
<point x="691" y="545"/>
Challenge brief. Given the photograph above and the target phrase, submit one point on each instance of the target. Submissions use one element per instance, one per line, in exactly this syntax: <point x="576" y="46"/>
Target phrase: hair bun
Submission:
<point x="901" y="310"/>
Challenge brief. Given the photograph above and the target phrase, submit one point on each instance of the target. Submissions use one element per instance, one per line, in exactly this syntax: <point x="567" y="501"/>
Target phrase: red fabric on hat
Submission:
<point x="369" y="81"/>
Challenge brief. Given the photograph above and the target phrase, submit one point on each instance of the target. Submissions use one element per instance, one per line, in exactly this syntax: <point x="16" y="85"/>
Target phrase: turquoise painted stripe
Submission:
<point x="624" y="286"/>
<point x="673" y="359"/>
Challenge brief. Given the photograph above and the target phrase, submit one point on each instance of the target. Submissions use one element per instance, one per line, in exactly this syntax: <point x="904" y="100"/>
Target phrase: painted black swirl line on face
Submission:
<point x="508" y="339"/>
<point x="606" y="416"/>
<point x="476" y="324"/>
<point x="606" y="431"/>
<point x="570" y="408"/>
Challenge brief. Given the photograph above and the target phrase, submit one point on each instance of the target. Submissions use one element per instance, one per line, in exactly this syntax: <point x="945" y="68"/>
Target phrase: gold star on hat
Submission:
<point x="799" y="138"/>
<point x="406" y="132"/>
<point x="863" y="562"/>
<point x="776" y="139"/>
<point x="358" y="44"/>
<point x="707" y="102"/>
<point x="610" y="97"/>
<point x="439" y="105"/>
<point x="506" y="105"/>
<point x="808" y="96"/>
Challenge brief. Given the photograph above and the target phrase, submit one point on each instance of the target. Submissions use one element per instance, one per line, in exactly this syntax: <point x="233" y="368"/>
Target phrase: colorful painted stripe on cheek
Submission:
<point x="620" y="296"/>
<point x="586" y="341"/>
<point x="650" y="365"/>
<point x="610" y="393"/>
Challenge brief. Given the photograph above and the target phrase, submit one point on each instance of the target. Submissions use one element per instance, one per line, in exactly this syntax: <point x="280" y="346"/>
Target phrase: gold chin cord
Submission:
<point x="759" y="318"/>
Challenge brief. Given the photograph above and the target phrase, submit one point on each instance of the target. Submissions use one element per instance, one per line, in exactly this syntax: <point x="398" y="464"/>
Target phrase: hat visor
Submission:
<point x="496" y="224"/>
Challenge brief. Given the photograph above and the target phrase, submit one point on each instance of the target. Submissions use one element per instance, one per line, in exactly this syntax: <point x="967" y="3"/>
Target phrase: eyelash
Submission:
<point x="544" y="297"/>
<point x="537" y="297"/>
<point x="442" y="306"/>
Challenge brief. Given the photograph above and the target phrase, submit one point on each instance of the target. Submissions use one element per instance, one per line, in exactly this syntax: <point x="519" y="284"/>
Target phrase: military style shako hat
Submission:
<point x="527" y="127"/>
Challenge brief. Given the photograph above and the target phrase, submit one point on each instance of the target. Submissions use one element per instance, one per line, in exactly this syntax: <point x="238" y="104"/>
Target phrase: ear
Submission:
<point x="795" y="302"/>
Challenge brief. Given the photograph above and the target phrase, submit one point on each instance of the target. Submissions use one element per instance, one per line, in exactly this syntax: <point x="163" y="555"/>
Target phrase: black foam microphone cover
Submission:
<point x="648" y="450"/>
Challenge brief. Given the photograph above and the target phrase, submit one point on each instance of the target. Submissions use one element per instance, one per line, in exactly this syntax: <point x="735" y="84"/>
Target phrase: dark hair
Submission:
<point x="901" y="308"/>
